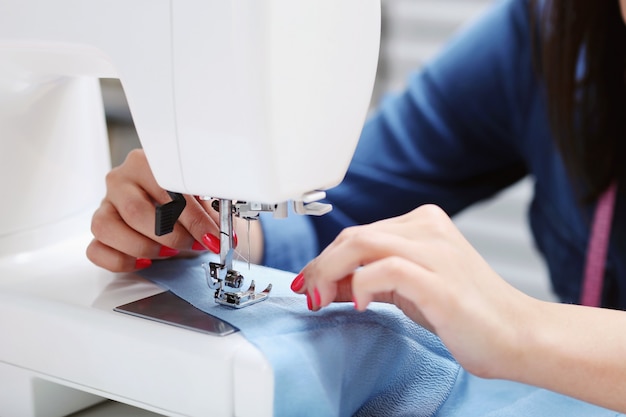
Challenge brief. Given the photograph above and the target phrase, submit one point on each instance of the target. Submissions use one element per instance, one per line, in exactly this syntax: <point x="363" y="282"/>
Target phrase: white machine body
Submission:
<point x="241" y="99"/>
<point x="64" y="348"/>
<point x="255" y="100"/>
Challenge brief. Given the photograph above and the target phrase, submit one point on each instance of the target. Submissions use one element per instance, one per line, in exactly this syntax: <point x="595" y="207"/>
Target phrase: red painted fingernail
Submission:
<point x="235" y="240"/>
<point x="197" y="246"/>
<point x="212" y="242"/>
<point x="309" y="304"/>
<point x="298" y="283"/>
<point x="142" y="263"/>
<point x="318" y="299"/>
<point x="166" y="251"/>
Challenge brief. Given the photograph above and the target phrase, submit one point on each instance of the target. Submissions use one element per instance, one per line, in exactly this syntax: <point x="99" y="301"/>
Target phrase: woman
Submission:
<point x="531" y="89"/>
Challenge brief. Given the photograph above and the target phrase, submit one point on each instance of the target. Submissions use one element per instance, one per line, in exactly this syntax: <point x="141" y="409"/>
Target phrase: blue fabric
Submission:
<point x="337" y="362"/>
<point x="469" y="124"/>
<point x="476" y="397"/>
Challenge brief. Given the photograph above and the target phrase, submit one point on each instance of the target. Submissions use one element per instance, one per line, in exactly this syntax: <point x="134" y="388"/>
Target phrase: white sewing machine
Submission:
<point x="255" y="100"/>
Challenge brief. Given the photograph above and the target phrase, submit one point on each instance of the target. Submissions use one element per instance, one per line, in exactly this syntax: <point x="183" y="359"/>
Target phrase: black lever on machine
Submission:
<point x="167" y="214"/>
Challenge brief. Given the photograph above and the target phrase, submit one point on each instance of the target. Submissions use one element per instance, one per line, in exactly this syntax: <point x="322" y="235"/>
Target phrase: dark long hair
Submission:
<point x="582" y="60"/>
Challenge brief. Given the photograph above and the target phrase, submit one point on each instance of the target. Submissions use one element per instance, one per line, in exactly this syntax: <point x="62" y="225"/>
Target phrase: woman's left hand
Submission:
<point x="422" y="263"/>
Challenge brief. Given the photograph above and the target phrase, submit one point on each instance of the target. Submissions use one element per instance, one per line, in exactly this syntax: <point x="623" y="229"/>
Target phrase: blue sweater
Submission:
<point x="471" y="123"/>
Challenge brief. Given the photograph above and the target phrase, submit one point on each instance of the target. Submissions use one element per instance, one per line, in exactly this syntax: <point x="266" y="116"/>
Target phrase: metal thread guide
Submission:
<point x="221" y="276"/>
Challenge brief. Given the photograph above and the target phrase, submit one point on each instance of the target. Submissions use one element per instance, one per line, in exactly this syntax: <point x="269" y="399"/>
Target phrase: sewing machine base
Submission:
<point x="64" y="347"/>
<point x="169" y="309"/>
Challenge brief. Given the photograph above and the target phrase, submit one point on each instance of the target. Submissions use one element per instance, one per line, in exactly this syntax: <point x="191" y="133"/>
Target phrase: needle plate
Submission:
<point x="170" y="309"/>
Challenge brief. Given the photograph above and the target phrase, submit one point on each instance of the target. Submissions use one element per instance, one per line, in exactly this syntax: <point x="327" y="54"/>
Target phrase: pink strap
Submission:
<point x="597" y="248"/>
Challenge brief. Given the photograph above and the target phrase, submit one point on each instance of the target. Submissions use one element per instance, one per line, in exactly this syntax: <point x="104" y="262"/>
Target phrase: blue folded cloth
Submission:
<point x="339" y="362"/>
<point x="336" y="362"/>
<point x="477" y="397"/>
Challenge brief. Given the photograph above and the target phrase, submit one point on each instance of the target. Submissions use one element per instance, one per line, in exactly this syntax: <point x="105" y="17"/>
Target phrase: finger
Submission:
<point x="344" y="241"/>
<point x="386" y="276"/>
<point x="340" y="292"/>
<point x="411" y="287"/>
<point x="133" y="191"/>
<point x="137" y="209"/>
<point x="109" y="228"/>
<point x="198" y="222"/>
<point x="360" y="248"/>
<point x="114" y="260"/>
<point x="135" y="170"/>
<point x="207" y="205"/>
<point x="344" y="290"/>
<point x="214" y="215"/>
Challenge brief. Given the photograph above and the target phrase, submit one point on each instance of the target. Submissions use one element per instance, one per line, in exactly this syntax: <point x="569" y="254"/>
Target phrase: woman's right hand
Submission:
<point x="123" y="225"/>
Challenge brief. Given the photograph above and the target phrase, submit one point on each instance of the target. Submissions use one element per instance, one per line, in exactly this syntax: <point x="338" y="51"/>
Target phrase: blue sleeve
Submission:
<point x="451" y="138"/>
<point x="288" y="244"/>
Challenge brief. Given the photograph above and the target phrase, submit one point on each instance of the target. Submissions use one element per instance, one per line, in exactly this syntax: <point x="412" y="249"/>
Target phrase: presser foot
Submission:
<point x="219" y="277"/>
<point x="242" y="299"/>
